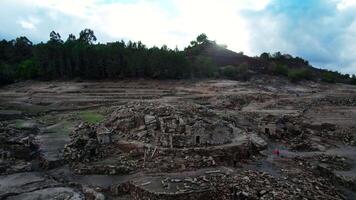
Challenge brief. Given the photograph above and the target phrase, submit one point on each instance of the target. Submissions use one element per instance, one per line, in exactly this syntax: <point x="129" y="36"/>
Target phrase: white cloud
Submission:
<point x="29" y="23"/>
<point x="345" y="4"/>
<point x="311" y="34"/>
<point x="26" y="24"/>
<point x="153" y="23"/>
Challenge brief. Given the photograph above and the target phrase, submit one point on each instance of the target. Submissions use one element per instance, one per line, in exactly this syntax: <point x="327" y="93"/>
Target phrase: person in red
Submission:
<point x="276" y="152"/>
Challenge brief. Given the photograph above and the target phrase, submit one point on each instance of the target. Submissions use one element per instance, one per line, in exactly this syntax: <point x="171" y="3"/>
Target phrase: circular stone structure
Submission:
<point x="166" y="125"/>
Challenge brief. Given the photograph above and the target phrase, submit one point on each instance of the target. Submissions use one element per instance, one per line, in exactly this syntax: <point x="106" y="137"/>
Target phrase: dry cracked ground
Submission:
<point x="204" y="139"/>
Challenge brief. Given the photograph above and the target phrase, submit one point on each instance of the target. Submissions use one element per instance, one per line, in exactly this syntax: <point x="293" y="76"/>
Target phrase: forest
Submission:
<point x="84" y="58"/>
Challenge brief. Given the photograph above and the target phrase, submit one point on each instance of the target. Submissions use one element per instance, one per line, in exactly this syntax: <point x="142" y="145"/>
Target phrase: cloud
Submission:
<point x="156" y="22"/>
<point x="317" y="30"/>
<point x="322" y="31"/>
<point x="26" y="24"/>
<point x="346" y="4"/>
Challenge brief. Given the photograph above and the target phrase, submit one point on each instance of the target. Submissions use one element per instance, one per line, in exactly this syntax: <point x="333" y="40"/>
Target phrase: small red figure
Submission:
<point x="276" y="152"/>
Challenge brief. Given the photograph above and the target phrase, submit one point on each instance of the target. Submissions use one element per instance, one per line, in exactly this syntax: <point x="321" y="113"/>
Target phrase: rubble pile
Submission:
<point x="115" y="164"/>
<point x="152" y="159"/>
<point x="332" y="131"/>
<point x="330" y="167"/>
<point x="245" y="184"/>
<point x="296" y="132"/>
<point x="349" y="136"/>
<point x="17" y="149"/>
<point x="301" y="142"/>
<point x="84" y="145"/>
<point x="333" y="162"/>
<point x="239" y="101"/>
<point x="199" y="187"/>
<point x="301" y="185"/>
<point x="335" y="101"/>
<point x="345" y="134"/>
<point x="290" y="130"/>
<point x="179" y="161"/>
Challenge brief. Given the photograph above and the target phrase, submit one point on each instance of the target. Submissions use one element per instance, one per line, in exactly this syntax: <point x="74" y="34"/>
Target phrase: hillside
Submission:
<point x="83" y="58"/>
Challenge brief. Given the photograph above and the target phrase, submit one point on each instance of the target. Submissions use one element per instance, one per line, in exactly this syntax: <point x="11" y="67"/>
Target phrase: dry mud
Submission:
<point x="202" y="139"/>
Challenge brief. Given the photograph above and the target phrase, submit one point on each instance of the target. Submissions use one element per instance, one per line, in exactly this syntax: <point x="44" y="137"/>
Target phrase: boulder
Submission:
<point x="258" y="142"/>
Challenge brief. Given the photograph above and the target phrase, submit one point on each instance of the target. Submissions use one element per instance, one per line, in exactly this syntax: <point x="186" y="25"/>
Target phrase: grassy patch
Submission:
<point x="19" y="124"/>
<point x="62" y="128"/>
<point x="91" y="117"/>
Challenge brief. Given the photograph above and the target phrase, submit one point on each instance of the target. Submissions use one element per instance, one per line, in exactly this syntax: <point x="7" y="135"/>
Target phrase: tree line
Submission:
<point x="82" y="57"/>
<point x="297" y="69"/>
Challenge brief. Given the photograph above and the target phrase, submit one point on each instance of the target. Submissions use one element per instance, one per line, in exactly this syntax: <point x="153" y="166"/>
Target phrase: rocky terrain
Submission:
<point x="266" y="138"/>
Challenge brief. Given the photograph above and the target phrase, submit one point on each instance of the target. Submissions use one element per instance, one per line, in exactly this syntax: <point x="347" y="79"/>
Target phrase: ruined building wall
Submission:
<point x="169" y="129"/>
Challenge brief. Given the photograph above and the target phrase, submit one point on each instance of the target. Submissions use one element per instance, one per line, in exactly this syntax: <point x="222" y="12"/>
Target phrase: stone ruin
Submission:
<point x="167" y="126"/>
<point x="150" y="135"/>
<point x="279" y="127"/>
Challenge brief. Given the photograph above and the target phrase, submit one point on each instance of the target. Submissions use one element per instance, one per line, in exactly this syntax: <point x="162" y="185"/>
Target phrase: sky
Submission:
<point x="321" y="31"/>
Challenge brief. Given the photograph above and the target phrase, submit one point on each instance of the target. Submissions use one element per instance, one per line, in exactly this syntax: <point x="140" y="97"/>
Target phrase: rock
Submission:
<point x="24" y="182"/>
<point x="50" y="193"/>
<point x="92" y="194"/>
<point x="258" y="142"/>
<point x="149" y="119"/>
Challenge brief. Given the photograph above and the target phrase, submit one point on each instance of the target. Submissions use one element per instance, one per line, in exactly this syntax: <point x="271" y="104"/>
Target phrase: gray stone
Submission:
<point x="149" y="119"/>
<point x="56" y="193"/>
<point x="258" y="142"/>
<point x="24" y="182"/>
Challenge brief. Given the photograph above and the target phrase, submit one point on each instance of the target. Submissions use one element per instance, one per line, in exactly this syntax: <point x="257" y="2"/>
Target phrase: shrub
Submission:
<point x="205" y="67"/>
<point x="329" y="77"/>
<point x="242" y="71"/>
<point x="296" y="75"/>
<point x="280" y="70"/>
<point x="27" y="70"/>
<point x="229" y="72"/>
<point x="233" y="72"/>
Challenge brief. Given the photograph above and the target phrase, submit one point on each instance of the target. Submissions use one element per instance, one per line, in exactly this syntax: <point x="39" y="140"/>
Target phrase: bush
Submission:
<point x="329" y="77"/>
<point x="235" y="73"/>
<point x="229" y="72"/>
<point x="205" y="67"/>
<point x="280" y="70"/>
<point x="27" y="70"/>
<point x="296" y="75"/>
<point x="242" y="72"/>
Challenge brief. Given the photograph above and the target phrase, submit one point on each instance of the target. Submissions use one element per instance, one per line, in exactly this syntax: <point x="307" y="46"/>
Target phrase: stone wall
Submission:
<point x="167" y="126"/>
